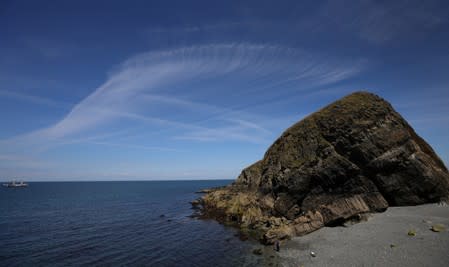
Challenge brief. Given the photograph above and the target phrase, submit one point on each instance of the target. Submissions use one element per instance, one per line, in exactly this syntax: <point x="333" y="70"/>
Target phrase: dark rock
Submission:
<point x="195" y="202"/>
<point x="277" y="246"/>
<point x="243" y="236"/>
<point x="203" y="191"/>
<point x="258" y="251"/>
<point x="353" y="157"/>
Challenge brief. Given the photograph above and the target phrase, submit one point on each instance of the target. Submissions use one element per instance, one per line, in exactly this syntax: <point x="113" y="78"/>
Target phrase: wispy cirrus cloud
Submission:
<point x="185" y="90"/>
<point x="375" y="22"/>
<point x="379" y="21"/>
<point x="34" y="99"/>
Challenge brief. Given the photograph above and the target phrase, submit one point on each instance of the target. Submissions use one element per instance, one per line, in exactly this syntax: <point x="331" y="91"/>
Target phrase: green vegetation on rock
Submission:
<point x="354" y="156"/>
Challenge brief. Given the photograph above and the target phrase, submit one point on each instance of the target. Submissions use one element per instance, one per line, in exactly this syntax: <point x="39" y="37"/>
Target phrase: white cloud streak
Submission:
<point x="376" y="22"/>
<point x="140" y="83"/>
<point x="379" y="22"/>
<point x="34" y="99"/>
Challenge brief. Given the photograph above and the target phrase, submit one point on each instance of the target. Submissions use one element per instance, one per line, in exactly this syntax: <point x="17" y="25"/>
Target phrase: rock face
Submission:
<point x="355" y="156"/>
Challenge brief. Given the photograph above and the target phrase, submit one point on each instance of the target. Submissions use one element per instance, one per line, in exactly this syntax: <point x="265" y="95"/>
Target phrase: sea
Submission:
<point x="133" y="223"/>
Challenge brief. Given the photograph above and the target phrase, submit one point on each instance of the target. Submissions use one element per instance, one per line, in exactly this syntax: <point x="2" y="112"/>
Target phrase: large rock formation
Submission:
<point x="355" y="156"/>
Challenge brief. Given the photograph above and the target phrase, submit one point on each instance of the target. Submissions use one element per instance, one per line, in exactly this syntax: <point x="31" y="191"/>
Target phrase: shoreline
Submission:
<point x="382" y="240"/>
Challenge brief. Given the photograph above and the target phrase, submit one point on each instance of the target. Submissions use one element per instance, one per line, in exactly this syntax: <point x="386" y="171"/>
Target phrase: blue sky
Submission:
<point x="139" y="90"/>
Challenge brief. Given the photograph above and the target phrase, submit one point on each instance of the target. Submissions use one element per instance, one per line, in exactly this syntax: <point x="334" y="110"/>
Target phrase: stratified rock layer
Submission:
<point x="355" y="156"/>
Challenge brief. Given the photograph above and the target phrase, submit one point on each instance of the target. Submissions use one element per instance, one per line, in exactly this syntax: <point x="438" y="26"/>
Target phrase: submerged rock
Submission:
<point x="257" y="251"/>
<point x="195" y="203"/>
<point x="203" y="191"/>
<point x="355" y="156"/>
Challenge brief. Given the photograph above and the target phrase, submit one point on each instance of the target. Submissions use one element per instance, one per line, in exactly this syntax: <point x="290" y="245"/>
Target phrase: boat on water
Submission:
<point x="15" y="184"/>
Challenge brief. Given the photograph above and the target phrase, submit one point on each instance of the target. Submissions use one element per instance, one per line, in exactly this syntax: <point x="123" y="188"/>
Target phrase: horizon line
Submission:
<point x="89" y="181"/>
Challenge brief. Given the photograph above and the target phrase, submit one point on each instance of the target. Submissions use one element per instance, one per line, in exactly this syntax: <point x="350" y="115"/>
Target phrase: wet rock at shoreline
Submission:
<point x="355" y="156"/>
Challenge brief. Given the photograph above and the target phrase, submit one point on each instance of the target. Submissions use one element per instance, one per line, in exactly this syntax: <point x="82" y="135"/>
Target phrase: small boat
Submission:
<point x="15" y="184"/>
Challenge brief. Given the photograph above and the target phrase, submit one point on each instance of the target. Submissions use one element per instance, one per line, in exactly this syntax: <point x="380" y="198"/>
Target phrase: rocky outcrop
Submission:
<point x="355" y="156"/>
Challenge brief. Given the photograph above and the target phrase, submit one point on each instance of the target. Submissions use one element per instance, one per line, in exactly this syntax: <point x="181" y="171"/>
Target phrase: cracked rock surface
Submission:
<point x="355" y="156"/>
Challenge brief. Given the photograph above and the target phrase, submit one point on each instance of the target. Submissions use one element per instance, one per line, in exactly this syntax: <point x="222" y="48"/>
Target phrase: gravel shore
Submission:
<point x="383" y="240"/>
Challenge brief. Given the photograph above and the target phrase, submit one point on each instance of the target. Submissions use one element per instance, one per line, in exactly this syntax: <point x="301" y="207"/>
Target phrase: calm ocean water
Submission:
<point x="114" y="224"/>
